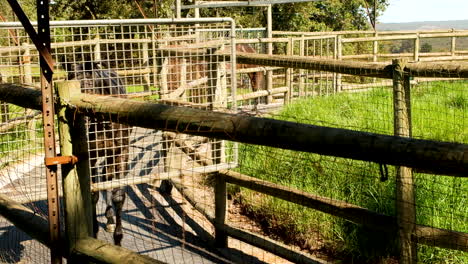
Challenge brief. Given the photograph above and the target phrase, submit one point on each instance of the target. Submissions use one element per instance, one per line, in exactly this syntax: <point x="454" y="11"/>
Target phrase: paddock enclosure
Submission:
<point x="336" y="145"/>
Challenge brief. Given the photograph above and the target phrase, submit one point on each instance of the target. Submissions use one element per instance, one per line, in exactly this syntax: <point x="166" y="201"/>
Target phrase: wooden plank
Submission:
<point x="310" y="63"/>
<point x="25" y="219"/>
<point x="423" y="234"/>
<point x="437" y="157"/>
<point x="97" y="251"/>
<point x="367" y="39"/>
<point x="272" y="246"/>
<point x="441" y="238"/>
<point x="331" y="206"/>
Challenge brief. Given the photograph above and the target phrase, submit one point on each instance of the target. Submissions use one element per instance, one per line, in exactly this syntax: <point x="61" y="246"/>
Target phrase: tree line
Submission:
<point x="326" y="15"/>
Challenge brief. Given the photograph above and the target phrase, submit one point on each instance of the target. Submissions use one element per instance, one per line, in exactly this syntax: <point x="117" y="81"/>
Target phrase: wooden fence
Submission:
<point x="429" y="156"/>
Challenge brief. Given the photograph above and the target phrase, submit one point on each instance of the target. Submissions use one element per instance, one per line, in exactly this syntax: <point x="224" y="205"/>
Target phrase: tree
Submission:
<point x="331" y="15"/>
<point x="326" y="15"/>
<point x="426" y="47"/>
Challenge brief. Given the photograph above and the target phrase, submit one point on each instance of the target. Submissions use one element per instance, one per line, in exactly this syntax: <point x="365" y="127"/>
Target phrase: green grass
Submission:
<point x="438" y="111"/>
<point x="20" y="139"/>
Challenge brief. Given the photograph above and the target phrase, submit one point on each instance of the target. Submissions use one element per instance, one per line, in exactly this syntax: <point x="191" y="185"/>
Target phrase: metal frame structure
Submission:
<point x="216" y="4"/>
<point x="51" y="161"/>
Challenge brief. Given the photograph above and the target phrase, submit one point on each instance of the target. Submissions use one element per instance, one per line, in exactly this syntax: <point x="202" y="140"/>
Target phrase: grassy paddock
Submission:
<point x="439" y="113"/>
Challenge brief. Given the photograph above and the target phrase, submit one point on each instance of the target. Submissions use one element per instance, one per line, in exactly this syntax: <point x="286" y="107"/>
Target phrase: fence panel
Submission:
<point x="145" y="60"/>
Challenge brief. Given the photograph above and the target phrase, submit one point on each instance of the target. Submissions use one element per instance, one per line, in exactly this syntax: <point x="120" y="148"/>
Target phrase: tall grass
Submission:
<point x="438" y="113"/>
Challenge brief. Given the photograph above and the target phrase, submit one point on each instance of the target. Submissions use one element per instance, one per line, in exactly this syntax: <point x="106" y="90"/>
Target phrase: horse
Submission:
<point x="257" y="79"/>
<point x="108" y="142"/>
<point x="197" y="69"/>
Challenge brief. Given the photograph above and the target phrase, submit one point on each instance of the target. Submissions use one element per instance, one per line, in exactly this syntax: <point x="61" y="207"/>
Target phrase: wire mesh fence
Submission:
<point x="186" y="65"/>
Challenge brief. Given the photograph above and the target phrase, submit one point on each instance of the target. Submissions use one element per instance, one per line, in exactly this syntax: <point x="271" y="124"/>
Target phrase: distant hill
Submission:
<point x="424" y="25"/>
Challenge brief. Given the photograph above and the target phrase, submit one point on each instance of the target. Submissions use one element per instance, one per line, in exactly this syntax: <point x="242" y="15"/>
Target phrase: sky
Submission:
<point x="424" y="10"/>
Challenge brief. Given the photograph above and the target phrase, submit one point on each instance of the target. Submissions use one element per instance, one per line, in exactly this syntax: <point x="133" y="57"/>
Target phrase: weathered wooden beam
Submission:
<point x="89" y="248"/>
<point x="21" y="95"/>
<point x="25" y="219"/>
<point x="271" y="245"/>
<point x="350" y="212"/>
<point x="310" y="63"/>
<point x="99" y="251"/>
<point x="437" y="157"/>
<point x="431" y="156"/>
<point x="422" y="234"/>
<point x="441" y="238"/>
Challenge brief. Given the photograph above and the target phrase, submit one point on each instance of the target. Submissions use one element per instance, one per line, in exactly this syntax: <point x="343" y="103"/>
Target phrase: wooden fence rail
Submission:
<point x="88" y="249"/>
<point x="431" y="156"/>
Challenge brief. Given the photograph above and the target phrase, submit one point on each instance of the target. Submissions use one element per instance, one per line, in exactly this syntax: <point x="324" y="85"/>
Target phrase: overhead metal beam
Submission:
<point x="219" y="4"/>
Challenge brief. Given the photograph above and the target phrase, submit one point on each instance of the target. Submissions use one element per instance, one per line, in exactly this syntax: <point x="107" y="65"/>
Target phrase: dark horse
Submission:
<point x="108" y="142"/>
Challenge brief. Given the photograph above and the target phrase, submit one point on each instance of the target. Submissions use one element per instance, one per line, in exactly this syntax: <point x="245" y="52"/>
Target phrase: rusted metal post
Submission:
<point x="405" y="204"/>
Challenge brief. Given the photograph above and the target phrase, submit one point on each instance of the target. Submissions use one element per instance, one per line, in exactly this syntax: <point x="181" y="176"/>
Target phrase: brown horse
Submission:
<point x="198" y="69"/>
<point x="257" y="79"/>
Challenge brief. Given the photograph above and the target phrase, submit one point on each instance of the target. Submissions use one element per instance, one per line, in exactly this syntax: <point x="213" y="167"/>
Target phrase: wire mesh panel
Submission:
<point x="22" y="170"/>
<point x="438" y="112"/>
<point x="171" y="63"/>
<point x="164" y="187"/>
<point x="159" y="61"/>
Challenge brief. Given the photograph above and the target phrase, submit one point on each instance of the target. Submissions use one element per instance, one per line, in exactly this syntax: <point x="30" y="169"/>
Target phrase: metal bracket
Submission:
<point x="61" y="160"/>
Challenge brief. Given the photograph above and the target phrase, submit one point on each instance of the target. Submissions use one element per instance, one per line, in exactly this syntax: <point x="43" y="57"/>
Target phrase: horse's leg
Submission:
<point x="118" y="199"/>
<point x="94" y="195"/>
<point x="95" y="198"/>
<point x="109" y="213"/>
<point x="110" y="171"/>
<point x="118" y="194"/>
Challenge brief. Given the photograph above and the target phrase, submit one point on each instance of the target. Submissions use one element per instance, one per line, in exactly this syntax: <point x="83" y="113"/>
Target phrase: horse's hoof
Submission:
<point x="165" y="187"/>
<point x="110" y="228"/>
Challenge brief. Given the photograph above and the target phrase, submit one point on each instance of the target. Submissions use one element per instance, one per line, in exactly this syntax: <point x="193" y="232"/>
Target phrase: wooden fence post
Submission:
<point x="339" y="56"/>
<point x="302" y="72"/>
<point x="289" y="71"/>
<point x="417" y="42"/>
<point x="76" y="178"/>
<point x="27" y="70"/>
<point x="221" y="239"/>
<point x="164" y="71"/>
<point x="405" y="204"/>
<point x="269" y="73"/>
<point x="97" y="50"/>
<point x="375" y="48"/>
<point x="146" y="76"/>
<point x="453" y="46"/>
<point x="183" y="78"/>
